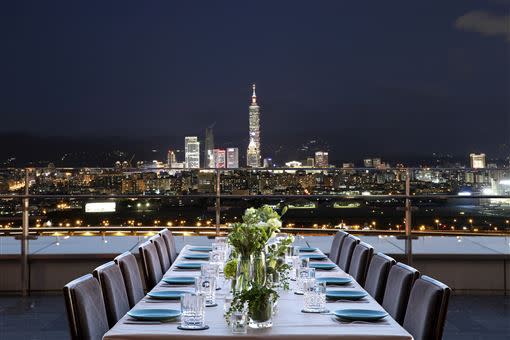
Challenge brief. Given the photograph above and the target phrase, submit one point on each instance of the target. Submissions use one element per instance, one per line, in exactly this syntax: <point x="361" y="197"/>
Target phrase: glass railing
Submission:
<point x="403" y="202"/>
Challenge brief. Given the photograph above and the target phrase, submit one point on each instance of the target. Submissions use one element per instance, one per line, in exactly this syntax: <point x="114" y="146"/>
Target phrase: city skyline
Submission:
<point x="351" y="81"/>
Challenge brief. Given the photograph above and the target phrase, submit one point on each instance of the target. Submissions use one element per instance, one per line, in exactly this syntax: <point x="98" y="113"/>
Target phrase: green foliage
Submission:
<point x="230" y="269"/>
<point x="256" y="298"/>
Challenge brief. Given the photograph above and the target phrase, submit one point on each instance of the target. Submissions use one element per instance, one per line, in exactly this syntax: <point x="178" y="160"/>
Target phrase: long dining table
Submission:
<point x="288" y="323"/>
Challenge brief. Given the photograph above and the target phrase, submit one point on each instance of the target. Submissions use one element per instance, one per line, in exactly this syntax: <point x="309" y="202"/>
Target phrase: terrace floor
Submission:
<point x="42" y="316"/>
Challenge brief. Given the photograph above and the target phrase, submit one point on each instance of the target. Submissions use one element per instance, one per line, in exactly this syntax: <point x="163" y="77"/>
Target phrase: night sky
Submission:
<point x="368" y="77"/>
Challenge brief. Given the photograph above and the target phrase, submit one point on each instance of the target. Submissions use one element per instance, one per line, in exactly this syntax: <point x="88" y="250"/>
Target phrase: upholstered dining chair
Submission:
<point x="170" y="243"/>
<point x="359" y="262"/>
<point x="114" y="292"/>
<point x="85" y="307"/>
<point x="398" y="287"/>
<point x="161" y="248"/>
<point x="150" y="264"/>
<point x="426" y="310"/>
<point x="348" y="245"/>
<point x="336" y="245"/>
<point x="377" y="275"/>
<point x="132" y="277"/>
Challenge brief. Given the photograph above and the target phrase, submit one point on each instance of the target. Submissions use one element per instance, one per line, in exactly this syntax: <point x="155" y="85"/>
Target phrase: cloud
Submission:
<point x="485" y="23"/>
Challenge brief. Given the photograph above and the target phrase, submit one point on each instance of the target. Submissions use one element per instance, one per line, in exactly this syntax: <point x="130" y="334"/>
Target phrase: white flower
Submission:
<point x="274" y="222"/>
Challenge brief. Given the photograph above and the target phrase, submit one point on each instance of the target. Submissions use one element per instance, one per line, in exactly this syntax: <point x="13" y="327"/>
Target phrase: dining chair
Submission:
<point x="132" y="278"/>
<point x="426" y="310"/>
<point x="348" y="245"/>
<point x="85" y="308"/>
<point x="359" y="262"/>
<point x="377" y="275"/>
<point x="336" y="245"/>
<point x="398" y="287"/>
<point x="161" y="248"/>
<point x="114" y="292"/>
<point x="170" y="243"/>
<point x="150" y="264"/>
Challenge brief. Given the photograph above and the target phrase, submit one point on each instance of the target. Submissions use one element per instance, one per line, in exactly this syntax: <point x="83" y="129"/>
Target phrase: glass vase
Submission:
<point x="261" y="314"/>
<point x="258" y="268"/>
<point x="243" y="273"/>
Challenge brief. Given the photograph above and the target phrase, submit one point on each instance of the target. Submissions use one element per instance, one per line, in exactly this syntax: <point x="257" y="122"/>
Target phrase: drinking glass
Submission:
<point x="206" y="285"/>
<point x="296" y="265"/>
<point x="210" y="269"/>
<point x="239" y="322"/>
<point x="217" y="257"/>
<point x="314" y="295"/>
<point x="193" y="311"/>
<point x="220" y="239"/>
<point x="303" y="274"/>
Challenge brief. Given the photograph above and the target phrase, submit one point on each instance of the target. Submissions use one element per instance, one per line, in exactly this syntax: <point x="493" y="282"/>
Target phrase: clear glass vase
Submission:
<point x="243" y="273"/>
<point x="261" y="315"/>
<point x="258" y="268"/>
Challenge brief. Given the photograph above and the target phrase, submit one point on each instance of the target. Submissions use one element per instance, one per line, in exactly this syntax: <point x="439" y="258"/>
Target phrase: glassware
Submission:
<point x="305" y="262"/>
<point x="296" y="265"/>
<point x="314" y="295"/>
<point x="262" y="316"/>
<point x="210" y="269"/>
<point x="206" y="285"/>
<point x="303" y="274"/>
<point x="258" y="268"/>
<point x="217" y="257"/>
<point x="193" y="311"/>
<point x="238" y="322"/>
<point x="242" y="273"/>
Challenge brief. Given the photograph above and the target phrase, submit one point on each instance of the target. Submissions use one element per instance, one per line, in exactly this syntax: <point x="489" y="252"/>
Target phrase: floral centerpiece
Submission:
<point x="259" y="260"/>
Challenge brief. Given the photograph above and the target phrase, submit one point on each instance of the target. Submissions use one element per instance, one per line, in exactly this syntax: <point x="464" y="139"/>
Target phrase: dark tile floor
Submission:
<point x="43" y="317"/>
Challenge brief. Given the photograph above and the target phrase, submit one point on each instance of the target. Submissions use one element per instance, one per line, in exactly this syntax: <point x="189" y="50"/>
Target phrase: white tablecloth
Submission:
<point x="288" y="323"/>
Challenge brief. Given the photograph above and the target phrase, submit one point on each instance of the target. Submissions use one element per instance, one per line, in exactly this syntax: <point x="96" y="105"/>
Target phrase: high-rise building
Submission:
<point x="268" y="163"/>
<point x="219" y="158"/>
<point x="321" y="159"/>
<point x="368" y="163"/>
<point x="310" y="162"/>
<point x="208" y="148"/>
<point x="477" y="160"/>
<point x="192" y="152"/>
<point x="232" y="158"/>
<point x="253" y="153"/>
<point x="170" y="159"/>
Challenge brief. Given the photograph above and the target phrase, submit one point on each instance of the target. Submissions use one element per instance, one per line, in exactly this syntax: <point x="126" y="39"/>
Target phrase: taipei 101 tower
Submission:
<point x="253" y="152"/>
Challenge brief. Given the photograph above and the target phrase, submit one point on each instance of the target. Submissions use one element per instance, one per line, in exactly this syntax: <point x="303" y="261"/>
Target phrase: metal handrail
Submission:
<point x="225" y="228"/>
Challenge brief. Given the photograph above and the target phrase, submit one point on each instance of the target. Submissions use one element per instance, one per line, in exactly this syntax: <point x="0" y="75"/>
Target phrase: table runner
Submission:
<point x="288" y="323"/>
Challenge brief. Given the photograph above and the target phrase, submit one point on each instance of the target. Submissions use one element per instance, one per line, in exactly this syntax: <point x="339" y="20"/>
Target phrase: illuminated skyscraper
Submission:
<point x="219" y="158"/>
<point x="253" y="152"/>
<point x="208" y="148"/>
<point x="192" y="152"/>
<point x="232" y="158"/>
<point x="171" y="158"/>
<point x="477" y="160"/>
<point x="321" y="159"/>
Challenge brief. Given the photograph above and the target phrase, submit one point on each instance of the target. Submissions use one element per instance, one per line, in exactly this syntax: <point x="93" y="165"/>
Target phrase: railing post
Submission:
<point x="218" y="203"/>
<point x="24" y="239"/>
<point x="409" y="231"/>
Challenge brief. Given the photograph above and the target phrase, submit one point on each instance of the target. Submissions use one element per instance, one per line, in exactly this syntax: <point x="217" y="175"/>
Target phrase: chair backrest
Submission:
<point x="398" y="287"/>
<point x="336" y="245"/>
<point x="161" y="248"/>
<point x="150" y="264"/>
<point x="115" y="296"/>
<point x="426" y="310"/>
<point x="170" y="244"/>
<point x="359" y="262"/>
<point x="377" y="275"/>
<point x="85" y="307"/>
<point x="348" y="246"/>
<point x="132" y="278"/>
